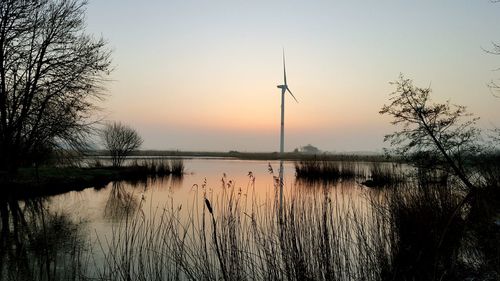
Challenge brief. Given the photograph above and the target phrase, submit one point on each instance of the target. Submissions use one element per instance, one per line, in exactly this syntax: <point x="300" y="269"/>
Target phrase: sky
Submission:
<point x="202" y="75"/>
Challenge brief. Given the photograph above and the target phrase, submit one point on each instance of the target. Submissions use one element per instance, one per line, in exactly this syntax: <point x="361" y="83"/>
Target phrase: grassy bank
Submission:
<point x="50" y="180"/>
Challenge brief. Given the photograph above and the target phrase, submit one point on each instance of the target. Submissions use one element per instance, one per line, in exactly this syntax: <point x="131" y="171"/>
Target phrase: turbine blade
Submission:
<point x="292" y="94"/>
<point x="284" y="68"/>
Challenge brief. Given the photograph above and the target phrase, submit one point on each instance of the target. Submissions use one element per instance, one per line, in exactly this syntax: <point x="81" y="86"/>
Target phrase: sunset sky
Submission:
<point x="202" y="75"/>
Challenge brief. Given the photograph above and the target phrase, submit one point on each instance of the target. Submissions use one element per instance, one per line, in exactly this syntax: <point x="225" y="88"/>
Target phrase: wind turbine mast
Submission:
<point x="284" y="88"/>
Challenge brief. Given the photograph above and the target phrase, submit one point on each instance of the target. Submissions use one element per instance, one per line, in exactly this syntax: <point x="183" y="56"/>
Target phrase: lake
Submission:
<point x="98" y="207"/>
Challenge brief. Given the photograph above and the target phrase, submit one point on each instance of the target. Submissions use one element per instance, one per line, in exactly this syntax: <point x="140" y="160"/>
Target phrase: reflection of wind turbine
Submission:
<point x="284" y="88"/>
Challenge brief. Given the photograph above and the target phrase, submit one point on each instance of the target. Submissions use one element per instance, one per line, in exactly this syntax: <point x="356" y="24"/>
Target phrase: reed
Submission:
<point x="156" y="167"/>
<point x="385" y="175"/>
<point x="177" y="167"/>
<point x="230" y="236"/>
<point x="325" y="170"/>
<point x="327" y="233"/>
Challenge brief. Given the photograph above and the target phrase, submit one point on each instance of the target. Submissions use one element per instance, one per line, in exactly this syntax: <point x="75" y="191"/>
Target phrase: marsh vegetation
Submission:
<point x="227" y="228"/>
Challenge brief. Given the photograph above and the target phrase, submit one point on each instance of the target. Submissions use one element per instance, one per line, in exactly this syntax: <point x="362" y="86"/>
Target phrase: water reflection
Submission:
<point x="172" y="182"/>
<point x="125" y="197"/>
<point x="39" y="244"/>
<point x="176" y="181"/>
<point x="121" y="203"/>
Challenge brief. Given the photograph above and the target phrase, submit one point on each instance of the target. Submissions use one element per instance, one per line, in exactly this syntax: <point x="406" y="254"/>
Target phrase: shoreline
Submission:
<point x="51" y="181"/>
<point x="289" y="156"/>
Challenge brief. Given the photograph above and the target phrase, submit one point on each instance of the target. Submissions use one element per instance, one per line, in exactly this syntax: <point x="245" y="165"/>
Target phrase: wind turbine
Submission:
<point x="284" y="88"/>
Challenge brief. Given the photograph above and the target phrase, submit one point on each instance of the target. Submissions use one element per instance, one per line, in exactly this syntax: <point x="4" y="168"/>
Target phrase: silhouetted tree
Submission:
<point x="444" y="133"/>
<point x="495" y="86"/>
<point x="120" y="140"/>
<point x="51" y="75"/>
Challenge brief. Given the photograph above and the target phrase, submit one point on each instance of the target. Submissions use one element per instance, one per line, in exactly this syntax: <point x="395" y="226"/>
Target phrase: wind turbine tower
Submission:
<point x="284" y="88"/>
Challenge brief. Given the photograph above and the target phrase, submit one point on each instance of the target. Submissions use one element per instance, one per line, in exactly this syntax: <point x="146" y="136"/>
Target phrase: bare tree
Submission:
<point x="51" y="76"/>
<point x="494" y="85"/>
<point x="120" y="140"/>
<point x="445" y="132"/>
